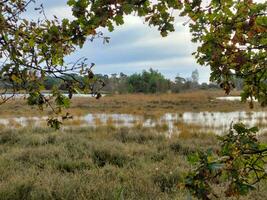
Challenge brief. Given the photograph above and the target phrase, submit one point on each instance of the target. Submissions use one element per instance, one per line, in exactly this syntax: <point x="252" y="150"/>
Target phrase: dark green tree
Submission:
<point x="150" y="81"/>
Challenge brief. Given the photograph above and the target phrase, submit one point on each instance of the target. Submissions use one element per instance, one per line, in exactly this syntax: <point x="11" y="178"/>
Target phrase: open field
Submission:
<point x="149" y="104"/>
<point x="107" y="161"/>
<point x="101" y="163"/>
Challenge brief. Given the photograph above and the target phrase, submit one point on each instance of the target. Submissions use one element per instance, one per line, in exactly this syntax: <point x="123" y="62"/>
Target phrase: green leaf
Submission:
<point x="118" y="19"/>
<point x="193" y="158"/>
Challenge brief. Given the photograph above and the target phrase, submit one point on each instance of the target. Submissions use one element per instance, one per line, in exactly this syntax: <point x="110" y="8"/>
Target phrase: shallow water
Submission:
<point x="18" y="96"/>
<point x="231" y="98"/>
<point x="217" y="122"/>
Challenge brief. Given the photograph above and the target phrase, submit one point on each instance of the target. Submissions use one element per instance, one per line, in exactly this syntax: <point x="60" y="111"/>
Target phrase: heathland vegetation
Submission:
<point x="110" y="162"/>
<point x="150" y="104"/>
<point x="137" y="162"/>
<point x="101" y="163"/>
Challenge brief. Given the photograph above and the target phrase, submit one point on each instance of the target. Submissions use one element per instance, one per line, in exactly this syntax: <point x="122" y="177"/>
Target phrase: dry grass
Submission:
<point x="101" y="163"/>
<point x="144" y="104"/>
<point x="97" y="163"/>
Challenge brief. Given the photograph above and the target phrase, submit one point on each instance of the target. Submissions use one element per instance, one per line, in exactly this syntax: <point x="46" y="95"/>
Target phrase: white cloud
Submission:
<point x="62" y="11"/>
<point x="136" y="46"/>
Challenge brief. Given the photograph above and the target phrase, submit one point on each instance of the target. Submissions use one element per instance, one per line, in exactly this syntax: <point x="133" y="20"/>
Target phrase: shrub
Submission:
<point x="157" y="157"/>
<point x="103" y="157"/>
<point x="240" y="165"/>
<point x="9" y="137"/>
<point x="167" y="182"/>
<point x="72" y="166"/>
<point x="125" y="136"/>
<point x="19" y="191"/>
<point x="178" y="148"/>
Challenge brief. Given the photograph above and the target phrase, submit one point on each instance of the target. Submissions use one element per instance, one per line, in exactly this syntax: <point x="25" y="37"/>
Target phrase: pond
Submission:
<point x="216" y="122"/>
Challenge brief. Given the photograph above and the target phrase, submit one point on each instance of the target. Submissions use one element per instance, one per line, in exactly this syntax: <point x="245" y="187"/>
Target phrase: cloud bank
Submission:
<point x="135" y="46"/>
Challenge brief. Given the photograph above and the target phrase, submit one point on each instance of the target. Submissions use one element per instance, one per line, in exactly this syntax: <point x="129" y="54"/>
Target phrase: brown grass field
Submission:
<point x="149" y="104"/>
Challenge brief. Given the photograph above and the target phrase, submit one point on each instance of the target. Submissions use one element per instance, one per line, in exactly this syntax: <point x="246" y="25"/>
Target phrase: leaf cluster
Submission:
<point x="237" y="167"/>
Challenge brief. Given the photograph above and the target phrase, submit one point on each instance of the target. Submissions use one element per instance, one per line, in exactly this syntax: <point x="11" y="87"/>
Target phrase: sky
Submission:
<point x="135" y="47"/>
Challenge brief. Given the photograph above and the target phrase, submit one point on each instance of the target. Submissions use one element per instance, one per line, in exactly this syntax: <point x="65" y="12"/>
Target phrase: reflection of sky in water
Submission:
<point x="19" y="96"/>
<point x="8" y="95"/>
<point x="218" y="122"/>
<point x="224" y="119"/>
<point x="232" y="98"/>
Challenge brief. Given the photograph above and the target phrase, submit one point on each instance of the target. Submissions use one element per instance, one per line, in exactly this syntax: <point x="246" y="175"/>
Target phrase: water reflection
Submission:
<point x="231" y="98"/>
<point x="20" y="96"/>
<point x="217" y="122"/>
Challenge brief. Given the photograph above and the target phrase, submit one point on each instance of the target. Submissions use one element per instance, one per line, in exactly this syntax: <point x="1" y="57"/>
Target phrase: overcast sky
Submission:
<point x="135" y="46"/>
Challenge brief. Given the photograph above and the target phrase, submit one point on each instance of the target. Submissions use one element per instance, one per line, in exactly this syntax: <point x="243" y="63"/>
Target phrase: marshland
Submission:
<point x="131" y="146"/>
<point x="84" y="116"/>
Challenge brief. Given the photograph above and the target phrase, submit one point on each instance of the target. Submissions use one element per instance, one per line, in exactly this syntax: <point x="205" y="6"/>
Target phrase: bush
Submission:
<point x="19" y="191"/>
<point x="125" y="136"/>
<point x="72" y="166"/>
<point x="157" y="157"/>
<point x="167" y="182"/>
<point x="240" y="164"/>
<point x="178" y="148"/>
<point x="9" y="137"/>
<point x="103" y="157"/>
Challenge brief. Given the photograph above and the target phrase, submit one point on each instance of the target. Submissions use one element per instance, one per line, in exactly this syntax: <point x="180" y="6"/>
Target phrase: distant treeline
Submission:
<point x="150" y="81"/>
